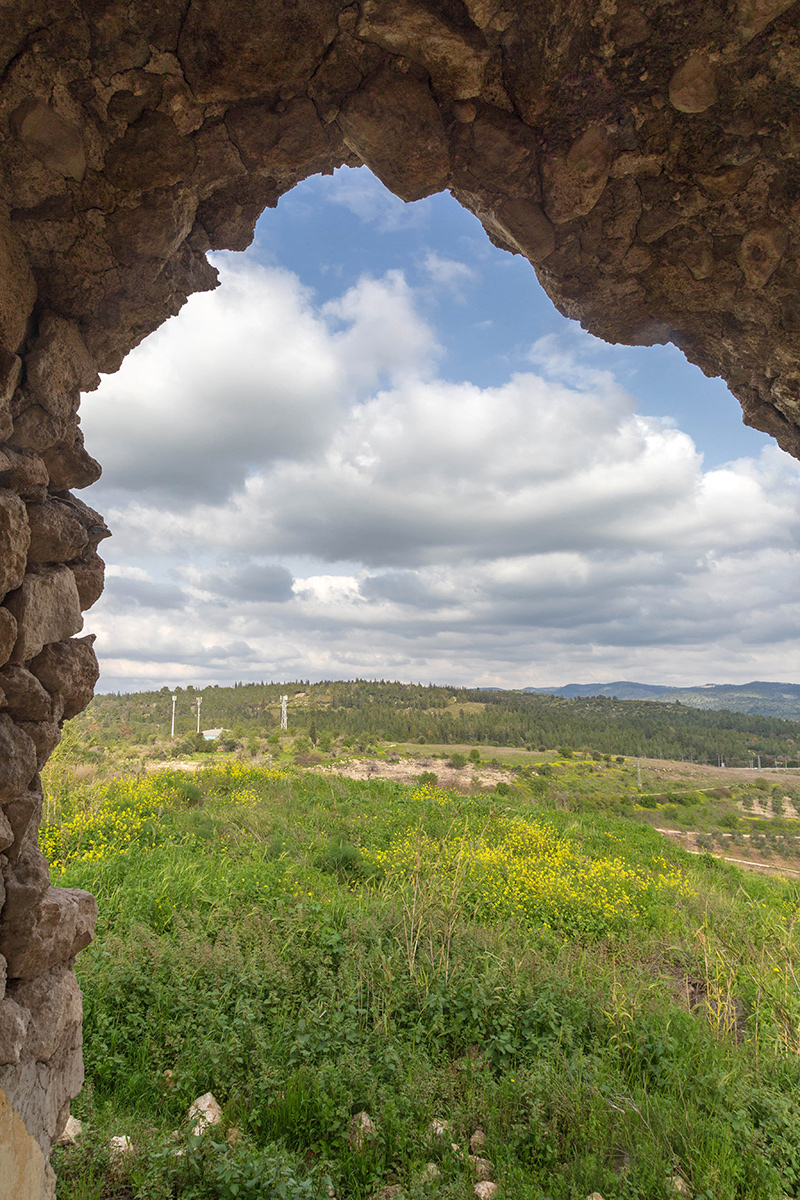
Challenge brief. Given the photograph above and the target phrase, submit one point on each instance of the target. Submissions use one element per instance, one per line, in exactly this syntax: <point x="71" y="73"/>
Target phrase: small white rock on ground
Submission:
<point x="72" y="1131"/>
<point x="362" y="1127"/>
<point x="486" y="1190"/>
<point x="439" y="1128"/>
<point x="120" y="1148"/>
<point x="477" y="1141"/>
<point x="481" y="1166"/>
<point x="205" y="1112"/>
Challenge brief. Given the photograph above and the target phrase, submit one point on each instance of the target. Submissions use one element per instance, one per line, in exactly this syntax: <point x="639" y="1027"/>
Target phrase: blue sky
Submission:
<point x="378" y="450"/>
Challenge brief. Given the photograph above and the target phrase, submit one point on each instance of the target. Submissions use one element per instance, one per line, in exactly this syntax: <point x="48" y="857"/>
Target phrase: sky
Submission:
<point x="377" y="450"/>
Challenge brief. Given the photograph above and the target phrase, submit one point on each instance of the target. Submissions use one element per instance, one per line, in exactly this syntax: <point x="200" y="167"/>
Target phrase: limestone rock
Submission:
<point x="756" y="15"/>
<point x="8" y="634"/>
<point x="10" y="372"/>
<point x="24" y="474"/>
<point x="477" y="1142"/>
<point x="47" y="609"/>
<point x="18" y="293"/>
<point x="236" y="49"/>
<point x="69" y="671"/>
<point x="60" y="926"/>
<point x="120" y="1149"/>
<point x="485" y="1190"/>
<point x="89" y="571"/>
<point x="26" y="879"/>
<point x="481" y="1166"/>
<point x="14" y="540"/>
<point x="17" y="760"/>
<point x="693" y="87"/>
<point x="362" y="1130"/>
<point x="6" y="840"/>
<point x="57" y="535"/>
<point x="36" y="430"/>
<point x="520" y="226"/>
<point x="454" y="54"/>
<point x="45" y="736"/>
<point x="59" y="366"/>
<point x="72" y="1131"/>
<point x="205" y="1112"/>
<point x="439" y="1128"/>
<point x="26" y="699"/>
<point x="573" y="183"/>
<point x="678" y="1186"/>
<point x="69" y="465"/>
<point x="13" y="1030"/>
<point x="93" y="523"/>
<point x="394" y="125"/>
<point x="392" y="1191"/>
<point x="53" y="1003"/>
<point x="57" y="143"/>
<point x="760" y="252"/>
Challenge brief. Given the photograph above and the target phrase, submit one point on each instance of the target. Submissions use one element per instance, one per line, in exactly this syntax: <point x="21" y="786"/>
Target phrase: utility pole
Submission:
<point x="199" y="702"/>
<point x="174" y="698"/>
<point x="284" y="713"/>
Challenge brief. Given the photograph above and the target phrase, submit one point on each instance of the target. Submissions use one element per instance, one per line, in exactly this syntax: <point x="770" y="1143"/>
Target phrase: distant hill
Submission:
<point x="655" y="722"/>
<point x="759" y="697"/>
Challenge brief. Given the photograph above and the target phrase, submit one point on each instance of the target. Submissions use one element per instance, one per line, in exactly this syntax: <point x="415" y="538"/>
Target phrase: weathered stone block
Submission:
<point x="17" y="760"/>
<point x="10" y="371"/>
<point x="69" y="465"/>
<point x="45" y="736"/>
<point x="8" y="634"/>
<point x="22" y="1163"/>
<point x="394" y="125"/>
<point x="234" y="49"/>
<point x="53" y="1002"/>
<point x="47" y="609"/>
<point x="25" y="698"/>
<point x="93" y="523"/>
<point x="59" y="927"/>
<point x="54" y="141"/>
<point x="89" y="571"/>
<point x="59" y="360"/>
<point x="13" y="1030"/>
<point x="24" y="474"/>
<point x="26" y="881"/>
<point x="69" y="670"/>
<point x="14" y="540"/>
<point x="57" y="535"/>
<point x="18" y="293"/>
<point x="36" y="430"/>
<point x="58" y="369"/>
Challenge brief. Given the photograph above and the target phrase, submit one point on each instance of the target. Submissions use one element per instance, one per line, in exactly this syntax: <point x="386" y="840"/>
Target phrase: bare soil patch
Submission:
<point x="408" y="770"/>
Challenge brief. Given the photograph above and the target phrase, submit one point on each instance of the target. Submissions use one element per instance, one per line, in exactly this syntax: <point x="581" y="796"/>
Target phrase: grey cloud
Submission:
<point x="143" y="593"/>
<point x="400" y="587"/>
<point x="253" y="582"/>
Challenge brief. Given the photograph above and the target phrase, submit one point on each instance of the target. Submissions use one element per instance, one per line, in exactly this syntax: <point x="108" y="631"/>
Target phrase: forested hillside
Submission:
<point x="761" y="697"/>
<point x="401" y="712"/>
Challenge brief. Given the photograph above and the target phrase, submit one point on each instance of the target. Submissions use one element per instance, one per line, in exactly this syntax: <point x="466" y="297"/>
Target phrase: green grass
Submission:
<point x="263" y="936"/>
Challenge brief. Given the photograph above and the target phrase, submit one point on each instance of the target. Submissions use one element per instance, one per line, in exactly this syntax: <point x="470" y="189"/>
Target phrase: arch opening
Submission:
<point x="643" y="159"/>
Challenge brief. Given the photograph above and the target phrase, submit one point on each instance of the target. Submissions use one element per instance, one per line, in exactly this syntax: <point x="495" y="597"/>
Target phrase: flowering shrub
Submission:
<point x="525" y="870"/>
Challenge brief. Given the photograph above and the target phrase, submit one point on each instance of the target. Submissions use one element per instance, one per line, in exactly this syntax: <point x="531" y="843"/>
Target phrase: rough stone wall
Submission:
<point x="643" y="156"/>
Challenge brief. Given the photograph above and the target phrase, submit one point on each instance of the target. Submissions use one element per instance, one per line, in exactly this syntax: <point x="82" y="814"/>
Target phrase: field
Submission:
<point x="523" y="954"/>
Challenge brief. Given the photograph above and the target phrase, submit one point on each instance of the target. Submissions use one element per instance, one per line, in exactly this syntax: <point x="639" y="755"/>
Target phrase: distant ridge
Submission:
<point x="759" y="697"/>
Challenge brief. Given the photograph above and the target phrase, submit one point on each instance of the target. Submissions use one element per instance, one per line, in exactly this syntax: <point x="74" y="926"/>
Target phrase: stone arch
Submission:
<point x="642" y="156"/>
